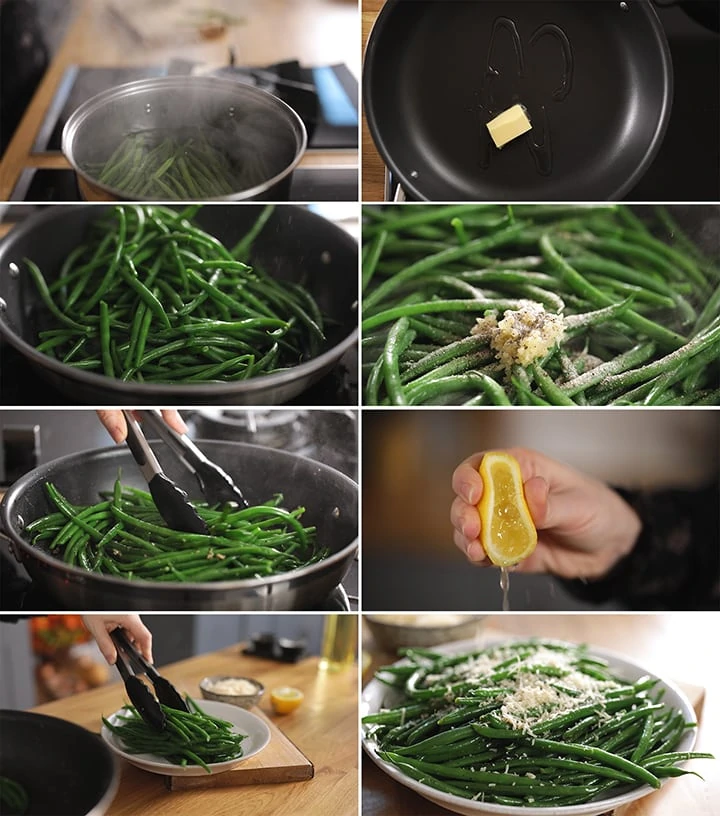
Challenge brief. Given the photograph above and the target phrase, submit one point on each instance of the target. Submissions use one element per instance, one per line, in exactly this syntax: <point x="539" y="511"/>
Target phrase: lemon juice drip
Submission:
<point x="505" y="587"/>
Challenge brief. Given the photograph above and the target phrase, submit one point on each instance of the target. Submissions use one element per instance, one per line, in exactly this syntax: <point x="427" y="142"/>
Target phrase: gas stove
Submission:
<point x="687" y="166"/>
<point x="329" y="437"/>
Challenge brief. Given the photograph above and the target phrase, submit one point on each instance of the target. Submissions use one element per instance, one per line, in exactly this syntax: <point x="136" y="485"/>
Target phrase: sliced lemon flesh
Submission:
<point x="508" y="534"/>
<point x="286" y="699"/>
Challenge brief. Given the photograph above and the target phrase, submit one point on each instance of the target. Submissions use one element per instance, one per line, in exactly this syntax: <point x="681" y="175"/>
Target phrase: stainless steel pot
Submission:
<point x="295" y="244"/>
<point x="329" y="497"/>
<point x="239" y="117"/>
<point x="65" y="769"/>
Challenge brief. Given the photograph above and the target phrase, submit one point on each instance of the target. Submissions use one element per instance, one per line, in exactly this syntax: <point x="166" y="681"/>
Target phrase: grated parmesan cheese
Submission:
<point x="528" y="697"/>
<point x="233" y="685"/>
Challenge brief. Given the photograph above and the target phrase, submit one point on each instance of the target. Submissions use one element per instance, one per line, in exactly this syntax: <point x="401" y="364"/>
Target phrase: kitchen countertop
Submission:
<point x="324" y="728"/>
<point x="675" y="646"/>
<point x="373" y="168"/>
<point x="314" y="32"/>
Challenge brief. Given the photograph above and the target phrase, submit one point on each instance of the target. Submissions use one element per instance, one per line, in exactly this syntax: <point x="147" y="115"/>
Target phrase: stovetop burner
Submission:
<point x="287" y="430"/>
<point x="329" y="437"/>
<point x="687" y="166"/>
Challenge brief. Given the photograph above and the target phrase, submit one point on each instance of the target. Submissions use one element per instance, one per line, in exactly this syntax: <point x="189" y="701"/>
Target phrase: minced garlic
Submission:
<point x="523" y="335"/>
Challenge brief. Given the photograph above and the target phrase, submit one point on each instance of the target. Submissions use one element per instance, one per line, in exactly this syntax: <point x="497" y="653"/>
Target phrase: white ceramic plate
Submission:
<point x="244" y="722"/>
<point x="375" y="695"/>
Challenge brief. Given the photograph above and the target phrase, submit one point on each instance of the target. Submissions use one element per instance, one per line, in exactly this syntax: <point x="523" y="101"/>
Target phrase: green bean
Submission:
<point x="706" y="341"/>
<point x="623" y="298"/>
<point x="261" y="540"/>
<point x="193" y="737"/>
<point x="399" y="338"/>
<point x="434" y="261"/>
<point x="164" y="282"/>
<point x="153" y="164"/>
<point x="14" y="798"/>
<point x="241" y="250"/>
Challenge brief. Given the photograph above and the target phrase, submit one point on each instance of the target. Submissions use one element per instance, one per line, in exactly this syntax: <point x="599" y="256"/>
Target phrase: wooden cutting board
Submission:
<point x="280" y="761"/>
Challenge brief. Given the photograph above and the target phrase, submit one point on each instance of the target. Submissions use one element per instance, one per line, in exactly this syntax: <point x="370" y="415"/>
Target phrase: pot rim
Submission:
<point x="77" y="119"/>
<point x="102" y="805"/>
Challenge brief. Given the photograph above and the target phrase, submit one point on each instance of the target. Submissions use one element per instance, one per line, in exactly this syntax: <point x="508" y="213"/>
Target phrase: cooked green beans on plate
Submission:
<point x="124" y="536"/>
<point x="537" y="305"/>
<point x="151" y="297"/>
<point x="528" y="723"/>
<point x="189" y="738"/>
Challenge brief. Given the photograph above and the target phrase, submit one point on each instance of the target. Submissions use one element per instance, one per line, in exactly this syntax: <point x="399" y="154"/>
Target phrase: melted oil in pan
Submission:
<point x="538" y="140"/>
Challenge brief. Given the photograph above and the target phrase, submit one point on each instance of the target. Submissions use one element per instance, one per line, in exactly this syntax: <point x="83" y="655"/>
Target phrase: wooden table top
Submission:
<point x="373" y="168"/>
<point x="324" y="728"/>
<point x="312" y="31"/>
<point x="676" y="646"/>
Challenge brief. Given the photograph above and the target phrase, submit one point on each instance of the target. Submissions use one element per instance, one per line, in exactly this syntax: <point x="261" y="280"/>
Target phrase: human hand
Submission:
<point x="100" y="627"/>
<point x="584" y="527"/>
<point x="116" y="426"/>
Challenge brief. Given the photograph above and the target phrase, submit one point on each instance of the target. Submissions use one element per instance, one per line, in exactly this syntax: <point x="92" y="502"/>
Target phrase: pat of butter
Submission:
<point x="509" y="125"/>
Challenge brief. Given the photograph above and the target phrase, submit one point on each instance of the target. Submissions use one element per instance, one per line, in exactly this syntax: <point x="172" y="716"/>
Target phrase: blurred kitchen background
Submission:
<point x="45" y="658"/>
<point x="409" y="560"/>
<point x="29" y="438"/>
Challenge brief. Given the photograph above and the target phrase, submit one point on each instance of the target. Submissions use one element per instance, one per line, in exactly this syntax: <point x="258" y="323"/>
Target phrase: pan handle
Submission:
<point x="10" y="544"/>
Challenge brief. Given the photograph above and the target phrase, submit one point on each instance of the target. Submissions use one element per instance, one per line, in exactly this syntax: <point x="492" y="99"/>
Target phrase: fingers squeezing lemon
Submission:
<point x="508" y="534"/>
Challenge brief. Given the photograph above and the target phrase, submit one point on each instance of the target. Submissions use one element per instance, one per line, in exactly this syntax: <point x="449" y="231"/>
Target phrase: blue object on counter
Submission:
<point x="338" y="110"/>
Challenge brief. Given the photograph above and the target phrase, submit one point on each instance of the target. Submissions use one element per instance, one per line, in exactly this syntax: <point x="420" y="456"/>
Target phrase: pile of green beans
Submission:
<point x="124" y="535"/>
<point x="13" y="797"/>
<point x="189" y="738"/>
<point x="150" y="297"/>
<point x="163" y="165"/>
<point x="640" y="303"/>
<point x="448" y="727"/>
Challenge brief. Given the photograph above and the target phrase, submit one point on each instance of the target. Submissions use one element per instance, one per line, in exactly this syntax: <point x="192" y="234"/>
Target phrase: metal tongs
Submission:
<point x="130" y="663"/>
<point x="171" y="501"/>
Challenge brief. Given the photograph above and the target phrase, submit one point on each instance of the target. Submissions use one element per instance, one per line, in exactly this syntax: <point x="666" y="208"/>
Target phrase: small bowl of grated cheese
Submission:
<point x="240" y="691"/>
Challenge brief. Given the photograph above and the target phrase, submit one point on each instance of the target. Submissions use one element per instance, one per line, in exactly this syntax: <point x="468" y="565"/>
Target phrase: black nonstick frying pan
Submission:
<point x="65" y="769"/>
<point x="594" y="75"/>
<point x="330" y="499"/>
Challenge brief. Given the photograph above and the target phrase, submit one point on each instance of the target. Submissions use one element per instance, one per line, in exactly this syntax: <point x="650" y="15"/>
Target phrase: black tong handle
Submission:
<point x="167" y="694"/>
<point x="217" y="485"/>
<point x="140" y="695"/>
<point x="171" y="501"/>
